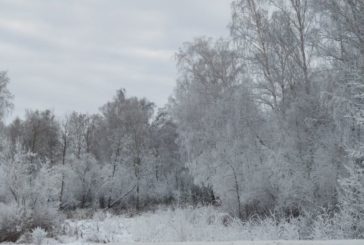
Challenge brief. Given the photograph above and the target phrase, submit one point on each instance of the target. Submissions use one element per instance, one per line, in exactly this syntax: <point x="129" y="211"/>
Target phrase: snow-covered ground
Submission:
<point x="342" y="242"/>
<point x="332" y="242"/>
<point x="188" y="226"/>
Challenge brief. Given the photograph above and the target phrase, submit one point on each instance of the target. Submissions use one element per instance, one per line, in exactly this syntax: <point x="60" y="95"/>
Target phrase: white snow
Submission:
<point x="342" y="242"/>
<point x="179" y="227"/>
<point x="174" y="227"/>
<point x="332" y="242"/>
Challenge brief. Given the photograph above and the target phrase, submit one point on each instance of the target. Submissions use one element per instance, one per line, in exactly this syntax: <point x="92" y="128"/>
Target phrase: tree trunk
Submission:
<point x="64" y="152"/>
<point x="237" y="191"/>
<point x="137" y="162"/>
<point x="61" y="194"/>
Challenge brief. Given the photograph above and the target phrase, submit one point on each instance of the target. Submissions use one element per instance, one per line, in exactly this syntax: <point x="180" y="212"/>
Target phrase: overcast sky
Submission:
<point x="74" y="54"/>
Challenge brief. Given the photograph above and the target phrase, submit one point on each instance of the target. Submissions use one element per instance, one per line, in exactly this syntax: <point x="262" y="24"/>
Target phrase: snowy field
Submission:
<point x="347" y="242"/>
<point x="336" y="242"/>
<point x="206" y="225"/>
<point x="183" y="226"/>
<point x="342" y="242"/>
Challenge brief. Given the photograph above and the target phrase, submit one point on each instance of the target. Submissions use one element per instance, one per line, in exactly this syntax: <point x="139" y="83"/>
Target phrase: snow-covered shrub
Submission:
<point x="270" y="228"/>
<point x="16" y="221"/>
<point x="10" y="222"/>
<point x="99" y="229"/>
<point x="328" y="226"/>
<point x="25" y="238"/>
<point x="48" y="218"/>
<point x="352" y="197"/>
<point x="29" y="197"/>
<point x="208" y="224"/>
<point x="38" y="235"/>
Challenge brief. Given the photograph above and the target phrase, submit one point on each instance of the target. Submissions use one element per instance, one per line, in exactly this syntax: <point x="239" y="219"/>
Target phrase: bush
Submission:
<point x="38" y="235"/>
<point x="10" y="223"/>
<point x="16" y="221"/>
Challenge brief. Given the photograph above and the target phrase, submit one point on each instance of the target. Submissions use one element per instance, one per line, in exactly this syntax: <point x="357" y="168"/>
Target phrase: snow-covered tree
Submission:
<point x="126" y="127"/>
<point x="5" y="95"/>
<point x="41" y="135"/>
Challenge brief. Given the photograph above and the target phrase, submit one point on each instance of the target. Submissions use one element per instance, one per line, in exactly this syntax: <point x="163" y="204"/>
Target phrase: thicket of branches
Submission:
<point x="269" y="119"/>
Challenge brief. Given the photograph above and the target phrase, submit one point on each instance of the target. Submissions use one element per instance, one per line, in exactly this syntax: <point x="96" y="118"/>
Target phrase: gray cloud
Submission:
<point x="73" y="55"/>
